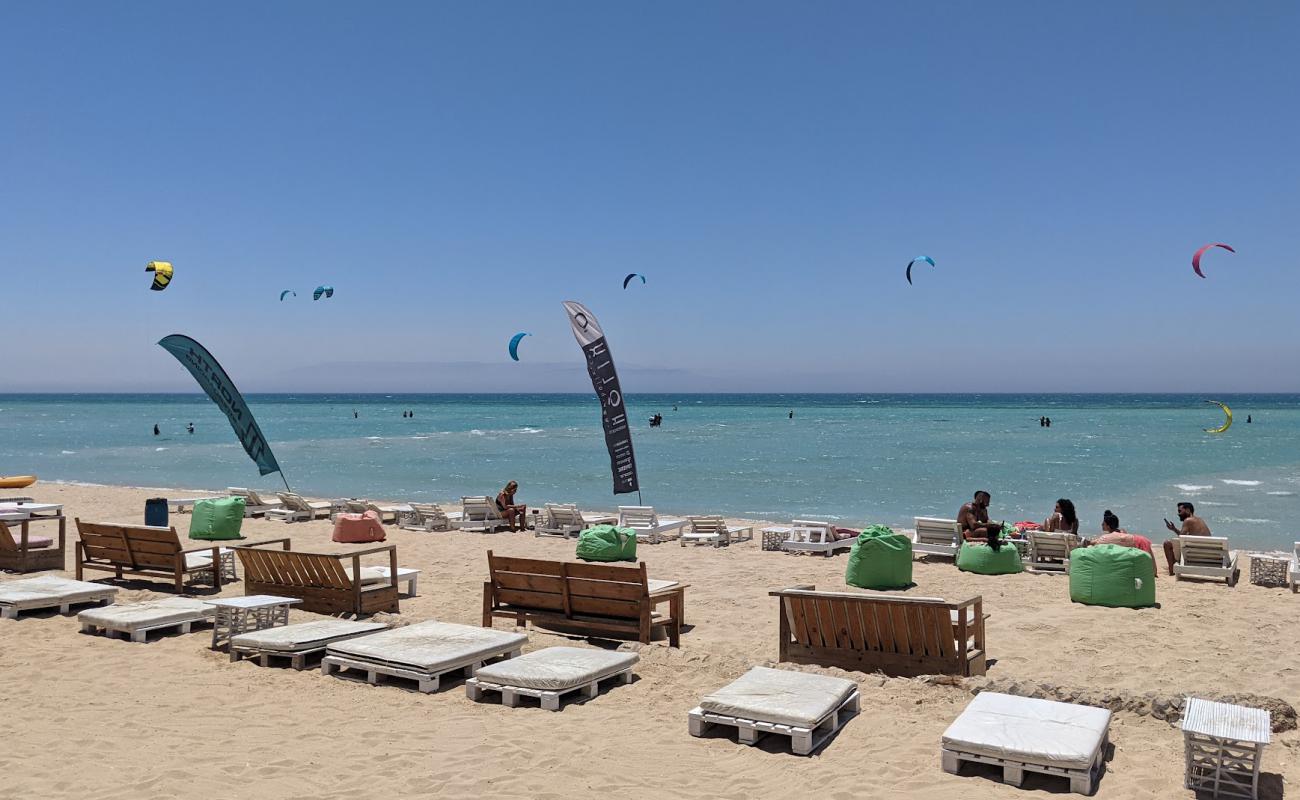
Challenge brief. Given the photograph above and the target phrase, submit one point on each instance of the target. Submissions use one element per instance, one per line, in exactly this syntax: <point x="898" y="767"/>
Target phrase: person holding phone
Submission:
<point x="1192" y="525"/>
<point x="973" y="517"/>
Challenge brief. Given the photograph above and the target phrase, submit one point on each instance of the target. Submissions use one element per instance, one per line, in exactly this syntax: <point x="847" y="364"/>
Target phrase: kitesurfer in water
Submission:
<point x="190" y="427"/>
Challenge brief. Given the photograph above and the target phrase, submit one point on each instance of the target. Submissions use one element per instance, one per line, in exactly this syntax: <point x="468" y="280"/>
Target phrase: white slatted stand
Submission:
<point x="1224" y="745"/>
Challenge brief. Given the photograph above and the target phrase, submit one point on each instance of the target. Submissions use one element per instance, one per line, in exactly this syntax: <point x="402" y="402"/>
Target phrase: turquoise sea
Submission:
<point x="857" y="458"/>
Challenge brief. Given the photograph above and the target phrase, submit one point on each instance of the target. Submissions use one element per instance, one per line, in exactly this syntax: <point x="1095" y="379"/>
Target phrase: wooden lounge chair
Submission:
<point x="144" y="551"/>
<point x="22" y="552"/>
<point x="480" y="514"/>
<point x="813" y="536"/>
<point x="424" y="517"/>
<point x="327" y="583"/>
<point x="590" y="598"/>
<point x="254" y="504"/>
<point x="903" y="636"/>
<point x="1050" y="552"/>
<point x="713" y="530"/>
<point x="649" y="528"/>
<point x="296" y="507"/>
<point x="1206" y="557"/>
<point x="936" y="537"/>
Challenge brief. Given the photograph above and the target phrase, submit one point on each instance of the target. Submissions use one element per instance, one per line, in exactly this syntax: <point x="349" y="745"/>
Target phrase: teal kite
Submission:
<point x="287" y="291"/>
<point x="926" y="259"/>
<point x="328" y="291"/>
<point x="514" y="344"/>
<point x="632" y="275"/>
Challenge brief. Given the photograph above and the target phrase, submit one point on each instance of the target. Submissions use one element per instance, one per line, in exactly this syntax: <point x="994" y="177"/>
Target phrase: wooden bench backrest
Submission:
<point x="890" y="626"/>
<point x="1204" y="551"/>
<point x="569" y="588"/>
<point x="7" y="540"/>
<point x="637" y="517"/>
<point x="930" y="530"/>
<point x="298" y="570"/>
<point x="139" y="546"/>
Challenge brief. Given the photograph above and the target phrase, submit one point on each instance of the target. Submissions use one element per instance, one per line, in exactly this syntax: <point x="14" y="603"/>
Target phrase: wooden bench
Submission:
<point x="143" y="551"/>
<point x="596" y="598"/>
<point x="903" y="636"/>
<point x="21" y="552"/>
<point x="325" y="582"/>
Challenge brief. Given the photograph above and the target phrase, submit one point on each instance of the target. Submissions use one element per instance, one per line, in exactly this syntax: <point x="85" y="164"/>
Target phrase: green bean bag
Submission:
<point x="984" y="560"/>
<point x="607" y="543"/>
<point x="1112" y="575"/>
<point x="217" y="519"/>
<point x="880" y="559"/>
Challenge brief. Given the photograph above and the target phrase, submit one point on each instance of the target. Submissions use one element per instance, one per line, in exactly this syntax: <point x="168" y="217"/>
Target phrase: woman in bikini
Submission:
<point x="512" y="513"/>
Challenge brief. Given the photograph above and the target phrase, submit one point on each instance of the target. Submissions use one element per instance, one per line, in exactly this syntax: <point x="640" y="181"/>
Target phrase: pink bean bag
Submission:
<point x="358" y="528"/>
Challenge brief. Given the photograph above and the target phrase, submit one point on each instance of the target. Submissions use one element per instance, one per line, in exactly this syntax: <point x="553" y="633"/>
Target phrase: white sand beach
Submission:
<point x="90" y="717"/>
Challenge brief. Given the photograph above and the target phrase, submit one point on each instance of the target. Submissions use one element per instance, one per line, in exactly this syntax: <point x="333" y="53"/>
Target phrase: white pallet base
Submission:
<point x="803" y="741"/>
<point x="427" y="681"/>
<point x="297" y="658"/>
<point x="141" y="634"/>
<point x="12" y="611"/>
<point x="1082" y="781"/>
<point x="475" y="688"/>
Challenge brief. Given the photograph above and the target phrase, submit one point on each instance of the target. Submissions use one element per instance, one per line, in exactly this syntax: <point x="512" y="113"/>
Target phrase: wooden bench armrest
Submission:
<point x="263" y="542"/>
<point x="977" y="599"/>
<point x="369" y="551"/>
<point x="781" y="592"/>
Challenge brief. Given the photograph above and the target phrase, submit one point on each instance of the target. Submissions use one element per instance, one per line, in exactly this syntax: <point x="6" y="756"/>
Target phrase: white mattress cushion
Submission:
<point x="555" y="669"/>
<point x="653" y="585"/>
<point x="50" y="587"/>
<point x="150" y="613"/>
<point x="431" y="646"/>
<point x="779" y="696"/>
<point x="305" y="635"/>
<point x="1028" y="730"/>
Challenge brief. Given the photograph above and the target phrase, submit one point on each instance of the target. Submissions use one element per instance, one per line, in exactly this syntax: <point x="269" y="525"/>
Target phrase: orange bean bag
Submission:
<point x="358" y="528"/>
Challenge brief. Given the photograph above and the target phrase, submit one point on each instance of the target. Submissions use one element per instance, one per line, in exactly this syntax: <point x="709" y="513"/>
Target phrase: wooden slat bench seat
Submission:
<point x="143" y="551"/>
<point x="327" y="583"/>
<point x="904" y="636"/>
<point x="595" y="598"/>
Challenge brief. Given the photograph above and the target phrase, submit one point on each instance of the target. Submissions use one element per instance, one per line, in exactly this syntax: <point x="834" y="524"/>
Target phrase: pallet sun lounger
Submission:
<point x="550" y="674"/>
<point x="48" y="591"/>
<point x="297" y="642"/>
<point x="806" y="707"/>
<point x="422" y="652"/>
<point x="136" y="620"/>
<point x="1022" y="734"/>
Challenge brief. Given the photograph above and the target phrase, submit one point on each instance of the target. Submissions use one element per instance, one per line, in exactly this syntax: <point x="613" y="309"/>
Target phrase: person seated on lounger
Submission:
<point x="974" y="521"/>
<point x="1063" y="518"/>
<point x="1192" y="526"/>
<point x="513" y="513"/>
<point x="1112" y="533"/>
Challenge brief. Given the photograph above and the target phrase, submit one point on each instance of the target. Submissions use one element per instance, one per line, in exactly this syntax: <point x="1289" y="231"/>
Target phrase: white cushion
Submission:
<point x="653" y="585"/>
<point x="49" y="589"/>
<point x="431" y="646"/>
<point x="149" y="614"/>
<point x="1030" y="731"/>
<point x="800" y="699"/>
<point x="557" y="668"/>
<point x="305" y="635"/>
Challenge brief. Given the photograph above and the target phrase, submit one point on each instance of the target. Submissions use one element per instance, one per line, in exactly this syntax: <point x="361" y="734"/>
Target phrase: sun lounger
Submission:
<point x="254" y="504"/>
<point x="297" y="642"/>
<point x="424" y="517"/>
<point x="422" y="652"/>
<point x="713" y="530"/>
<point x="49" y="591"/>
<point x="1293" y="572"/>
<point x="813" y="536"/>
<point x="565" y="520"/>
<point x="22" y="552"/>
<point x="1205" y="557"/>
<point x="936" y="537"/>
<point x="649" y="528"/>
<point x="296" y="508"/>
<point x="480" y="514"/>
<point x="550" y="674"/>
<point x="134" y="621"/>
<point x="1050" y="552"/>
<point x="1022" y="734"/>
<point x="806" y="707"/>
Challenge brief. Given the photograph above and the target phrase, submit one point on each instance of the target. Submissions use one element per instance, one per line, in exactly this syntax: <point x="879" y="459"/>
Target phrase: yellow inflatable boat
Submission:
<point x="16" y="481"/>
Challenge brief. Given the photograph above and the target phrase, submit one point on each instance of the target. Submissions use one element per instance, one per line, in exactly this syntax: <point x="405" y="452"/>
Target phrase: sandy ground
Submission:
<point x="89" y="717"/>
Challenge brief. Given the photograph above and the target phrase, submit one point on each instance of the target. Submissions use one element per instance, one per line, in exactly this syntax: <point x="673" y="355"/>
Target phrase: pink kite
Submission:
<point x="1196" y="259"/>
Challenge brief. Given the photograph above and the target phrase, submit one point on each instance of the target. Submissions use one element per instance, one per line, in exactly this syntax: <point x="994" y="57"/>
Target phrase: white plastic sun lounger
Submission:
<point x="813" y="536"/>
<point x="647" y="524"/>
<point x="49" y="591"/>
<point x="179" y="505"/>
<point x="254" y="504"/>
<point x="480" y="514"/>
<point x="808" y="708"/>
<point x="297" y="642"/>
<point x="422" y="652"/>
<point x="936" y="537"/>
<point x="1293" y="573"/>
<point x="424" y="517"/>
<point x="1023" y="733"/>
<point x="1206" y="557"/>
<point x="1050" y="552"/>
<point x="713" y="530"/>
<point x="565" y="520"/>
<point x="296" y="507"/>
<point x="550" y="674"/>
<point x="136" y="620"/>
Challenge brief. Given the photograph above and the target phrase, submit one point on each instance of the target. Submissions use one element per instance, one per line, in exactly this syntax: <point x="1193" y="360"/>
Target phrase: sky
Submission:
<point x="456" y="170"/>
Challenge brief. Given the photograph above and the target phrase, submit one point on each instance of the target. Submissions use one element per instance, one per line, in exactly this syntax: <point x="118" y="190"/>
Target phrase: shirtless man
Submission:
<point x="1192" y="526"/>
<point x="974" y="521"/>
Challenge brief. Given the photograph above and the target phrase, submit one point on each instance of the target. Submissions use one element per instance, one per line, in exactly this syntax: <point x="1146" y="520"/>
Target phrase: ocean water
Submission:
<point x="856" y="458"/>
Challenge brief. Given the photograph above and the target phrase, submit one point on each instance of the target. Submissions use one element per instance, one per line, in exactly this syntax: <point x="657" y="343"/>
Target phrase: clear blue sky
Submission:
<point x="455" y="170"/>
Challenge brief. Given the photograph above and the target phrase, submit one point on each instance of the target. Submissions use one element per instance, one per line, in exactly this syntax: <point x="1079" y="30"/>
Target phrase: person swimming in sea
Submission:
<point x="792" y="413"/>
<point x="190" y="427"/>
<point x="155" y="429"/>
